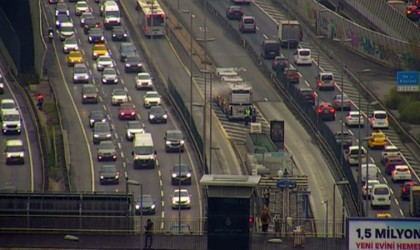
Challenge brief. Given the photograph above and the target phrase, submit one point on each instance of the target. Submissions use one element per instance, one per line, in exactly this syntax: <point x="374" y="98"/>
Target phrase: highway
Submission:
<point x="266" y="30"/>
<point x="28" y="176"/>
<point x="155" y="182"/>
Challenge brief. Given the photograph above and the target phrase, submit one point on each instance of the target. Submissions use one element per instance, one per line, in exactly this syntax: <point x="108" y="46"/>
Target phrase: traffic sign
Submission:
<point x="408" y="81"/>
<point x="286" y="183"/>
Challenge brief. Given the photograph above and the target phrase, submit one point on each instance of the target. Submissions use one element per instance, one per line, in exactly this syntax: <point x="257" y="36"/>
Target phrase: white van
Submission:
<point x="144" y="153"/>
<point x="303" y="57"/>
<point x="381" y="196"/>
<point x="111" y="14"/>
<point x="352" y="155"/>
<point x="370" y="169"/>
<point x="379" y="119"/>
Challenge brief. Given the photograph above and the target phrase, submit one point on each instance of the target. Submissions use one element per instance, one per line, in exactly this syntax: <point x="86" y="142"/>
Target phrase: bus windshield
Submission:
<point x="157" y="20"/>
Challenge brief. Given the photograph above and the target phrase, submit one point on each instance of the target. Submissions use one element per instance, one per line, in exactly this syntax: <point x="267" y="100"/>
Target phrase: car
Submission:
<point x="144" y="81"/>
<point x="104" y="62"/>
<point x="145" y="205"/>
<point x="70" y="44"/>
<point x="381" y="196"/>
<point x="183" y="229"/>
<point x="341" y="102"/>
<point x="80" y="73"/>
<point x="344" y="137"/>
<point x="291" y="75"/>
<point x="96" y="35"/>
<point x="89" y="24"/>
<point x="280" y="63"/>
<point x="132" y="128"/>
<point x="96" y="116"/>
<point x="85" y="16"/>
<point x="326" y="111"/>
<point x="89" y="93"/>
<point x="66" y="30"/>
<point x="352" y="155"/>
<point x="270" y="48"/>
<point x="379" y="119"/>
<point x="119" y="33"/>
<point x="108" y="174"/>
<point x="234" y="12"/>
<point x="133" y="63"/>
<point x="367" y="188"/>
<point x="354" y="118"/>
<point x="247" y="24"/>
<point x="383" y="215"/>
<point x="74" y="57"/>
<point x="126" y="49"/>
<point x="62" y="8"/>
<point x="99" y="50"/>
<point x="157" y="114"/>
<point x="118" y="96"/>
<point x="151" y="98"/>
<point x="11" y="122"/>
<point x="413" y="13"/>
<point x="174" y="141"/>
<point x="389" y="151"/>
<point x="181" y="174"/>
<point x="101" y="132"/>
<point x="14" y="152"/>
<point x="401" y="173"/>
<point x="1" y="84"/>
<point x="110" y="75"/>
<point x="406" y="190"/>
<point x="7" y="105"/>
<point x="308" y="95"/>
<point x="127" y="111"/>
<point x="325" y="81"/>
<point x="61" y="18"/>
<point x="377" y="139"/>
<point x="391" y="162"/>
<point x="81" y="7"/>
<point x="302" y="57"/>
<point x="181" y="198"/>
<point x="106" y="151"/>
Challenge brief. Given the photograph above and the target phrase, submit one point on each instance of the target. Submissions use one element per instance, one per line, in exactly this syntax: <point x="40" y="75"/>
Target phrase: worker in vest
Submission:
<point x="247" y="115"/>
<point x="40" y="100"/>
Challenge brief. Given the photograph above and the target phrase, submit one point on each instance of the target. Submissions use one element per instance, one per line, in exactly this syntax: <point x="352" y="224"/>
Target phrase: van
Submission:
<point x="144" y="153"/>
<point x="270" y="49"/>
<point x="303" y="57"/>
<point x="352" y="155"/>
<point x="370" y="170"/>
<point x="11" y="122"/>
<point x="379" y="119"/>
<point x="381" y="196"/>
<point x="247" y="24"/>
<point x="111" y="14"/>
<point x="14" y="152"/>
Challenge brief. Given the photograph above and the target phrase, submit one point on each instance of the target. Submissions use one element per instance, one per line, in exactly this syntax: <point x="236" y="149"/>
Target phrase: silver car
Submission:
<point x="104" y="62"/>
<point x="70" y="44"/>
<point x="80" y="73"/>
<point x="346" y="105"/>
<point x="132" y="128"/>
<point x="109" y="75"/>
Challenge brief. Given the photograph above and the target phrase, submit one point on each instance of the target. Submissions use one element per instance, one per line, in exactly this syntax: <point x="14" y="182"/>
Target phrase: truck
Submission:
<point x="290" y="33"/>
<point x="234" y="96"/>
<point x="415" y="201"/>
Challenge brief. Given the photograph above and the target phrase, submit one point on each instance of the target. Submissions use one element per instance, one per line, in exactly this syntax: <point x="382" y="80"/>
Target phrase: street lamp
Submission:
<point x="318" y="59"/>
<point x="361" y="73"/>
<point x="136" y="183"/>
<point x="70" y="237"/>
<point x="338" y="183"/>
<point x="326" y="223"/>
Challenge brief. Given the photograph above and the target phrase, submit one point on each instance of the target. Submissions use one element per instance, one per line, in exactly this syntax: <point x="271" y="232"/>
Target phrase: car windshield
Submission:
<point x="327" y="78"/>
<point x="101" y="127"/>
<point x="175" y="135"/>
<point x="90" y="21"/>
<point x="143" y="77"/>
<point x="80" y="70"/>
<point x="100" y="47"/>
<point x="106" y="145"/>
<point x="248" y="20"/>
<point x="104" y="59"/>
<point x="97" y="114"/>
<point x="304" y="53"/>
<point x="180" y="168"/>
<point x="118" y="92"/>
<point x="89" y="90"/>
<point x="134" y="125"/>
<point x="157" y="110"/>
<point x="75" y="54"/>
<point x="108" y="169"/>
<point x="152" y="95"/>
<point x="81" y="5"/>
<point x="10" y="117"/>
<point x="70" y="40"/>
<point x="381" y="190"/>
<point x="66" y="28"/>
<point x="109" y="71"/>
<point x="143" y="150"/>
<point x="402" y="169"/>
<point x="380" y="116"/>
<point x="12" y="149"/>
<point x="146" y="199"/>
<point x="183" y="193"/>
<point x="8" y="105"/>
<point x="118" y="29"/>
<point x="112" y="13"/>
<point x="392" y="150"/>
<point x="133" y="59"/>
<point x="126" y="106"/>
<point x="128" y="48"/>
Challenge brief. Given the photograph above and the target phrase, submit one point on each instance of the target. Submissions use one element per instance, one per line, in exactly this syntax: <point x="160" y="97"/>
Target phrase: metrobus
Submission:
<point x="152" y="18"/>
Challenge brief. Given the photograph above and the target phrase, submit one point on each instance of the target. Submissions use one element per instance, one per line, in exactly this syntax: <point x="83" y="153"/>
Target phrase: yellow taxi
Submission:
<point x="383" y="215"/>
<point x="74" y="57"/>
<point x="99" y="50"/>
<point x="377" y="139"/>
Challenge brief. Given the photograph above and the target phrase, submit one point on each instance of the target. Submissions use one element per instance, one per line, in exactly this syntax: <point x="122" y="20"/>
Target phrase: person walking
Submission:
<point x="254" y="114"/>
<point x="148" y="239"/>
<point x="265" y="219"/>
<point x="40" y="100"/>
<point x="247" y="115"/>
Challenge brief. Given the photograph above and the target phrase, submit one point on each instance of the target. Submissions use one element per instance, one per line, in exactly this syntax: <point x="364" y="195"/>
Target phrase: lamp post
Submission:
<point x="136" y="183"/>
<point x="318" y="59"/>
<point x="326" y="223"/>
<point x="179" y="190"/>
<point x="70" y="237"/>
<point x="192" y="16"/>
<point x="338" y="183"/>
<point x="362" y="72"/>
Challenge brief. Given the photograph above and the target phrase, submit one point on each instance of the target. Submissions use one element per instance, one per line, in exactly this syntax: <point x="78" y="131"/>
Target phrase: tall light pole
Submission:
<point x="326" y="223"/>
<point x="136" y="183"/>
<point x="179" y="190"/>
<point x="338" y="183"/>
<point x="318" y="59"/>
<point x="361" y="73"/>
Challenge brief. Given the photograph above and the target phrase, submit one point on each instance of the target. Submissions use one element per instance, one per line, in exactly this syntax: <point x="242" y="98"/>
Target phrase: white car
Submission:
<point x="401" y="173"/>
<point x="8" y="105"/>
<point x="104" y="62"/>
<point x="367" y="188"/>
<point x="326" y="81"/>
<point x="181" y="199"/>
<point x="11" y="122"/>
<point x="379" y="119"/>
<point x="144" y="81"/>
<point x="70" y="44"/>
<point x="132" y="128"/>
<point x="352" y="155"/>
<point x="118" y="96"/>
<point x="303" y="57"/>
<point x="151" y="98"/>
<point x="66" y="30"/>
<point x="81" y="7"/>
<point x="80" y="73"/>
<point x="352" y="119"/>
<point x="389" y="151"/>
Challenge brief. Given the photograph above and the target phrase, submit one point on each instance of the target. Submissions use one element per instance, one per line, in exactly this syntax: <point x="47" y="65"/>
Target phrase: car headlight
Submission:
<point x="9" y="155"/>
<point x="153" y="206"/>
<point x="102" y="38"/>
<point x="152" y="157"/>
<point x="165" y="116"/>
<point x="137" y="158"/>
<point x="103" y="80"/>
<point x="125" y="35"/>
<point x="57" y="23"/>
<point x="188" y="201"/>
<point x="19" y="125"/>
<point x="1" y="85"/>
<point x="137" y="206"/>
<point x="95" y="53"/>
<point x="102" y="177"/>
<point x="108" y="135"/>
<point x="182" y="141"/>
<point x="168" y="142"/>
<point x="95" y="135"/>
<point x="127" y="65"/>
<point x="116" y="80"/>
<point x="174" y="175"/>
<point x="189" y="175"/>
<point x="117" y="176"/>
<point x="139" y="65"/>
<point x="113" y="35"/>
<point x="56" y="12"/>
<point x="151" y="116"/>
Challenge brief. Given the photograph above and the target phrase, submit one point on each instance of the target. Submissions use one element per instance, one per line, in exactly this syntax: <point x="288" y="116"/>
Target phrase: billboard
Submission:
<point x="408" y="81"/>
<point x="277" y="131"/>
<point x="383" y="233"/>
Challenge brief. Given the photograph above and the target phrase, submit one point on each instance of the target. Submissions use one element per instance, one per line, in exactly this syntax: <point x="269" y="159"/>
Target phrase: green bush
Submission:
<point x="395" y="100"/>
<point x="410" y="113"/>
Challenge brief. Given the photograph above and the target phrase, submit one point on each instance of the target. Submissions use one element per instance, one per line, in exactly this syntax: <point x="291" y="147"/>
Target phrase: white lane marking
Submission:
<point x="100" y="98"/>
<point x="94" y="81"/>
<point x="113" y="126"/>
<point x="161" y="193"/>
<point x="300" y="75"/>
<point x="401" y="212"/>
<point x="119" y="144"/>
<point x="108" y="116"/>
<point x="122" y="155"/>
<point x="397" y="202"/>
<point x="307" y="83"/>
<point x="124" y="165"/>
<point x="116" y="136"/>
<point x="161" y="183"/>
<point x="265" y="36"/>
<point x="122" y="81"/>
<point x="126" y="90"/>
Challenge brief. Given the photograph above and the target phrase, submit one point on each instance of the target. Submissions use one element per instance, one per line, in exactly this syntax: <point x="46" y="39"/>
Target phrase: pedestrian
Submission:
<point x="286" y="173"/>
<point x="148" y="233"/>
<point x="40" y="100"/>
<point x="267" y="197"/>
<point x="247" y="115"/>
<point x="254" y="115"/>
<point x="265" y="219"/>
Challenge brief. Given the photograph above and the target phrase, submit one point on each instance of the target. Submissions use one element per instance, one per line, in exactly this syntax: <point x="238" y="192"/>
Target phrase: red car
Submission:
<point x="234" y="13"/>
<point x="127" y="111"/>
<point x="326" y="111"/>
<point x="391" y="162"/>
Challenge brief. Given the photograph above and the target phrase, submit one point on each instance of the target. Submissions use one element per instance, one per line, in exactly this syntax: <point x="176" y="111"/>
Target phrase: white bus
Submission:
<point x="152" y="18"/>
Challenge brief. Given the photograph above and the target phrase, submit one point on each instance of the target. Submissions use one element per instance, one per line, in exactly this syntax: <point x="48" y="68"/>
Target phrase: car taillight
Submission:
<point x="332" y="110"/>
<point x="408" y="172"/>
<point x="133" y="113"/>
<point x="122" y="113"/>
<point x="320" y="111"/>
<point x="404" y="190"/>
<point x="84" y="96"/>
<point x="319" y="83"/>
<point x="313" y="96"/>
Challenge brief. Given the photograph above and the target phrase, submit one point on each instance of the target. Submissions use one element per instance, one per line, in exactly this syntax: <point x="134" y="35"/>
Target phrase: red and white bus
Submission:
<point x="152" y="18"/>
